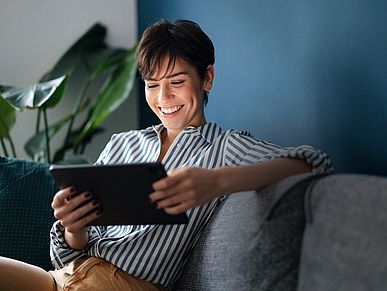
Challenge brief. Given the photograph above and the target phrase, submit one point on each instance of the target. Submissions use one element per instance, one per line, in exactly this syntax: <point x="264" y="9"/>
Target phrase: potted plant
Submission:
<point x="91" y="55"/>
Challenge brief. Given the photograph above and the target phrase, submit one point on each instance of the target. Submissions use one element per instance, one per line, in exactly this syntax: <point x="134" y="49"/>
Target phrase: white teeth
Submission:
<point x="169" y="110"/>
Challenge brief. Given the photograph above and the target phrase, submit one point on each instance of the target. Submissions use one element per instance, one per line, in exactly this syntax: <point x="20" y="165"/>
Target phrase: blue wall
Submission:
<point x="294" y="72"/>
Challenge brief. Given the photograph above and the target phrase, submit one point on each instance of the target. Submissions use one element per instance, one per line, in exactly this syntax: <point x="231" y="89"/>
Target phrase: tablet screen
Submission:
<point x="123" y="190"/>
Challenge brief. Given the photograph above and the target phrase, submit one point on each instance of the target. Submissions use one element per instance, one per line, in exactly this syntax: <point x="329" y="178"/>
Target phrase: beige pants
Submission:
<point x="86" y="273"/>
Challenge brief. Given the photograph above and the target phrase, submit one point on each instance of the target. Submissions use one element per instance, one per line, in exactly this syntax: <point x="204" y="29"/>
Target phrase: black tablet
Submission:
<point x="123" y="190"/>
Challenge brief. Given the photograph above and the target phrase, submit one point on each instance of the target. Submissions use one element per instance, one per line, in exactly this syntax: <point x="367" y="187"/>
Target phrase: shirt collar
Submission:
<point x="209" y="131"/>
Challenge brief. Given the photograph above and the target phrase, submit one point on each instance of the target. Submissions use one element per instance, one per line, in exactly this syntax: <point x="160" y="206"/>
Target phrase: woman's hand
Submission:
<point x="74" y="212"/>
<point x="185" y="188"/>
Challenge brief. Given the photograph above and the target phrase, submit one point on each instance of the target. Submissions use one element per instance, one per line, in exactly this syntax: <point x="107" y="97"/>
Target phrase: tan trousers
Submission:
<point x="86" y="273"/>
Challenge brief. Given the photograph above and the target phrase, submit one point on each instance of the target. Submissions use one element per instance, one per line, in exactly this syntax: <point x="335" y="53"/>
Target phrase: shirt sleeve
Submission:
<point x="61" y="254"/>
<point x="243" y="149"/>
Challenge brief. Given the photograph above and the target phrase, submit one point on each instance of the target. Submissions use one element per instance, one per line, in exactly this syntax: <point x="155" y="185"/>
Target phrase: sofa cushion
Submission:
<point x="26" y="191"/>
<point x="345" y="241"/>
<point x="252" y="242"/>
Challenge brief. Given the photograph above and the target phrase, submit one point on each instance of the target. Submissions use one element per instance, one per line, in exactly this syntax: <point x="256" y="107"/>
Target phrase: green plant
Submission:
<point x="88" y="61"/>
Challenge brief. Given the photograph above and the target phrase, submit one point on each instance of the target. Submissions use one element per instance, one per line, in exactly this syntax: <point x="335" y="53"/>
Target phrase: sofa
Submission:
<point x="306" y="232"/>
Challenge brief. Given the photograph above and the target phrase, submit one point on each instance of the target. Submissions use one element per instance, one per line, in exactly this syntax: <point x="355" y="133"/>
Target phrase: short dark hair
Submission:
<point x="180" y="39"/>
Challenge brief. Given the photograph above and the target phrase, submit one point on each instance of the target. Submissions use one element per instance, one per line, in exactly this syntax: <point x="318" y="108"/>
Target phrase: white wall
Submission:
<point x="35" y="33"/>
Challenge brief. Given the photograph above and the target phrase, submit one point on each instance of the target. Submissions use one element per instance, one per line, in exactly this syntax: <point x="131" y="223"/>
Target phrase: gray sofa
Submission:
<point x="305" y="232"/>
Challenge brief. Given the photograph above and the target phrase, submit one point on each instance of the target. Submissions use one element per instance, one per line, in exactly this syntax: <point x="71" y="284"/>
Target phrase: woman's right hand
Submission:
<point x="74" y="212"/>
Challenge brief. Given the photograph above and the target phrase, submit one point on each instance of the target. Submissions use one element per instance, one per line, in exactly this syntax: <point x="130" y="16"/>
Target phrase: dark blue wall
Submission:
<point x="297" y="72"/>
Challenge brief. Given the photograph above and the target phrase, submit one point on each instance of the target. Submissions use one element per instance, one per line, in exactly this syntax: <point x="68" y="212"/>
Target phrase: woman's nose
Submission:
<point x="164" y="93"/>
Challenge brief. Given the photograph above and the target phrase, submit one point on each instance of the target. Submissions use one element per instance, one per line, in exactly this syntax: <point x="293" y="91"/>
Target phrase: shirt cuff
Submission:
<point x="319" y="160"/>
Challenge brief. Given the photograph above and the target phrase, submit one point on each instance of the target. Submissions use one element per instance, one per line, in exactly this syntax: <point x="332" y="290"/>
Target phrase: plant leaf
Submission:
<point x="7" y="117"/>
<point x="91" y="40"/>
<point x="57" y="95"/>
<point x="103" y="59"/>
<point x="36" y="145"/>
<point x="32" y="96"/>
<point x="112" y="94"/>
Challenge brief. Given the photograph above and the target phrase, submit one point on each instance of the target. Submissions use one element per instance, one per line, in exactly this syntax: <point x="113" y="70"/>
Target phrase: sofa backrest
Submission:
<point x="26" y="217"/>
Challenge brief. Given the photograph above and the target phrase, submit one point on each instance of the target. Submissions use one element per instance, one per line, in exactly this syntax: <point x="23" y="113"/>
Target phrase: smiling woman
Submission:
<point x="175" y="94"/>
<point x="205" y="164"/>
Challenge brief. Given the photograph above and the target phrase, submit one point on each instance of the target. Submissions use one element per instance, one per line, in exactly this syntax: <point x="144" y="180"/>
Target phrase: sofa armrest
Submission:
<point x="345" y="240"/>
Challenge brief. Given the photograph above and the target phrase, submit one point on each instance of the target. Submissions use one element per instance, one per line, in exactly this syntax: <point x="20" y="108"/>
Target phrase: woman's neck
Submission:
<point x="167" y="138"/>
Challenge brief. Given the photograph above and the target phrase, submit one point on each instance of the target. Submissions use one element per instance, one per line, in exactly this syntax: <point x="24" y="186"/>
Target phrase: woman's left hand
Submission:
<point x="185" y="188"/>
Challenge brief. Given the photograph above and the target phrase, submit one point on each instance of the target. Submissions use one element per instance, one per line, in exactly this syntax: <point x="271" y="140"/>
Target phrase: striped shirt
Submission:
<point x="157" y="253"/>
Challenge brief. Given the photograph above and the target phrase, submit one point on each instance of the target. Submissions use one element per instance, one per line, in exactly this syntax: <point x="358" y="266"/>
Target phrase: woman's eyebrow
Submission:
<point x="170" y="76"/>
<point x="176" y="74"/>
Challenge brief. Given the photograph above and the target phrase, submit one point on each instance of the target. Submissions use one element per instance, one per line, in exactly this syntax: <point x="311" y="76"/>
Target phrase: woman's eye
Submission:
<point x="151" y="86"/>
<point x="179" y="82"/>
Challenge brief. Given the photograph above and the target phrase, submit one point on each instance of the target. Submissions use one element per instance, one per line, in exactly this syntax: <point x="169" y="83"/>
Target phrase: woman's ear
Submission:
<point x="208" y="78"/>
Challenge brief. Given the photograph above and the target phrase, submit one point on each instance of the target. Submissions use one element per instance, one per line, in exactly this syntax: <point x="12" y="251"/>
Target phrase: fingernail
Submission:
<point x="96" y="202"/>
<point x="99" y="212"/>
<point x="72" y="190"/>
<point x="88" y="194"/>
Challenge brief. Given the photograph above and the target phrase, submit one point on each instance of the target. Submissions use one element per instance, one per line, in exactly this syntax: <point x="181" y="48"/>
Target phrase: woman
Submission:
<point x="205" y="164"/>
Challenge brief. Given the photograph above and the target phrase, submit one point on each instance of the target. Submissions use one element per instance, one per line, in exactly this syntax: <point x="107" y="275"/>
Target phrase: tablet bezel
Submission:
<point x="123" y="190"/>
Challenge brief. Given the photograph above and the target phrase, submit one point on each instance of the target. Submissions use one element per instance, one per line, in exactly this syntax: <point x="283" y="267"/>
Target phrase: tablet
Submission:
<point x="123" y="190"/>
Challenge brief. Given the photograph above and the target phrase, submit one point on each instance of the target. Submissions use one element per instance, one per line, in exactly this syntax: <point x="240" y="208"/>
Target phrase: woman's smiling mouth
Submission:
<point x="170" y="110"/>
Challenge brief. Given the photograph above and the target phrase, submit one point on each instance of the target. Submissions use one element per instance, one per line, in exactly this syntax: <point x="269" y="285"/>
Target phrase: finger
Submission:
<point x="70" y="205"/>
<point x="160" y="195"/>
<point x="74" y="202"/>
<point x="164" y="183"/>
<point x="164" y="192"/>
<point x="60" y="196"/>
<point x="84" y="221"/>
<point x="175" y="199"/>
<point x="180" y="208"/>
<point x="184" y="185"/>
<point x="173" y="178"/>
<point x="171" y="191"/>
<point x="79" y="213"/>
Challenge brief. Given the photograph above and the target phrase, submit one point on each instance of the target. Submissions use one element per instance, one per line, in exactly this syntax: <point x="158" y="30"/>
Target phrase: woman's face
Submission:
<point x="175" y="94"/>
